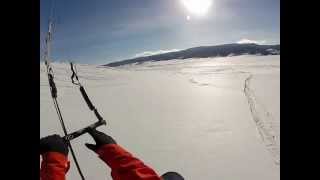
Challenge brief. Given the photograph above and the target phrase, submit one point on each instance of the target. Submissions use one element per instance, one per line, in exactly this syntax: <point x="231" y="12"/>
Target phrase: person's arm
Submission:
<point x="123" y="164"/>
<point x="55" y="164"/>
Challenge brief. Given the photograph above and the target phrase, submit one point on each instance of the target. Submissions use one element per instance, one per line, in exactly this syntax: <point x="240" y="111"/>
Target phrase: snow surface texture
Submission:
<point x="212" y="118"/>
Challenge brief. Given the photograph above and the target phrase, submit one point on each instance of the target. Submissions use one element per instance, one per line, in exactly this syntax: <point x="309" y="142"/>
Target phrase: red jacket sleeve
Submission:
<point x="54" y="166"/>
<point x="124" y="166"/>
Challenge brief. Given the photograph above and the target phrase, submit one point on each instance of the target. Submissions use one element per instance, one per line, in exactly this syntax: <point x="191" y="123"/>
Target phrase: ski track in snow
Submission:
<point x="264" y="121"/>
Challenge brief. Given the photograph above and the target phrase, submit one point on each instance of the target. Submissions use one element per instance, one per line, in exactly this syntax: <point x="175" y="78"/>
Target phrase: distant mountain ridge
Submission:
<point x="205" y="52"/>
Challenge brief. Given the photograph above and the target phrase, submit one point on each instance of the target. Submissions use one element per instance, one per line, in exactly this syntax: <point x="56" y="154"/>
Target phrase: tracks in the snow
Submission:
<point x="263" y="120"/>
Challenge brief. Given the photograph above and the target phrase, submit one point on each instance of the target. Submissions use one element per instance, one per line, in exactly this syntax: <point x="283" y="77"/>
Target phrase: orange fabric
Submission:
<point x="54" y="166"/>
<point x="124" y="166"/>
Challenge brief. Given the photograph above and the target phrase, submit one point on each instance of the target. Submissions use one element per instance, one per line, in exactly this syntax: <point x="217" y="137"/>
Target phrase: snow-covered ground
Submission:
<point x="213" y="118"/>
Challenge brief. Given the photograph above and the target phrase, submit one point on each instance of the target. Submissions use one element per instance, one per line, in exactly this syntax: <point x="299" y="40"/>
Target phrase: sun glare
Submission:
<point x="197" y="7"/>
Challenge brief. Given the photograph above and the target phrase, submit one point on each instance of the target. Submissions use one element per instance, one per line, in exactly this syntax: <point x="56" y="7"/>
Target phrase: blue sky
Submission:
<point x="102" y="31"/>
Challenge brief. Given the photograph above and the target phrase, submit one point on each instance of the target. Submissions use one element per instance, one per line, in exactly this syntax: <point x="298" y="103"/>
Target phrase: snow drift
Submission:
<point x="210" y="118"/>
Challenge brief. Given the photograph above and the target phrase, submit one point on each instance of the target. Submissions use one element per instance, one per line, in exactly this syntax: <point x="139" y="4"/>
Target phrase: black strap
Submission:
<point x="53" y="89"/>
<point x="84" y="94"/>
<point x="86" y="98"/>
<point x="74" y="75"/>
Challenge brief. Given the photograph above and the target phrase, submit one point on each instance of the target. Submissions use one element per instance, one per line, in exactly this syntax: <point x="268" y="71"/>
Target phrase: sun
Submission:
<point x="197" y="7"/>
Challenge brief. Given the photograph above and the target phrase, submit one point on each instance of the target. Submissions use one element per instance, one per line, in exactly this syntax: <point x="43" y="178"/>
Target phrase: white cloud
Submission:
<point x="150" y="53"/>
<point x="245" y="41"/>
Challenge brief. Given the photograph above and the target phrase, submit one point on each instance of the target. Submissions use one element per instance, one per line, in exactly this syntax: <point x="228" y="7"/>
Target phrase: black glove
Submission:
<point x="100" y="138"/>
<point x="53" y="143"/>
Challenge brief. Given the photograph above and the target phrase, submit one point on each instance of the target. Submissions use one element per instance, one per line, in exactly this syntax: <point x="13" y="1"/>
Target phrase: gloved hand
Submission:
<point x="53" y="143"/>
<point x="100" y="138"/>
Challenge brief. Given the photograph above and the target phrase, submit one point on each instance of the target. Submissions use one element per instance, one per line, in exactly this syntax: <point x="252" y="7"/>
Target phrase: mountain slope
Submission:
<point x="205" y="52"/>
